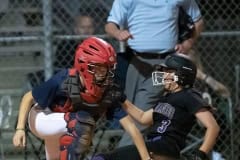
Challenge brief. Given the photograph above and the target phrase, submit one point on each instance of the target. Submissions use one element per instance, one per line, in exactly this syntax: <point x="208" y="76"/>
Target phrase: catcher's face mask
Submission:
<point x="103" y="74"/>
<point x="162" y="78"/>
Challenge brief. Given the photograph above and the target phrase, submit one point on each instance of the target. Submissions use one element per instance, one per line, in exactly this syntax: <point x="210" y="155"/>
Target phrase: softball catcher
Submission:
<point x="63" y="110"/>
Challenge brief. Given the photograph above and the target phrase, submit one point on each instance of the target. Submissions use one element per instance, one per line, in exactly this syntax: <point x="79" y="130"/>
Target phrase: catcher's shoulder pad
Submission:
<point x="72" y="86"/>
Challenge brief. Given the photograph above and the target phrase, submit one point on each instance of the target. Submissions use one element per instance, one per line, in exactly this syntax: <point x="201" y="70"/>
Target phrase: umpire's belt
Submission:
<point x="149" y="55"/>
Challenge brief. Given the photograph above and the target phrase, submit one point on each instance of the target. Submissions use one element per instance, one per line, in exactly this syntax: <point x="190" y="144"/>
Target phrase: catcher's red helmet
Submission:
<point x="91" y="53"/>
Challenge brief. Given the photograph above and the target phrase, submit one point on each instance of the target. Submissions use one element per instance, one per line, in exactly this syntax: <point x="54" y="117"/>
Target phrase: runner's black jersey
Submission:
<point x="174" y="115"/>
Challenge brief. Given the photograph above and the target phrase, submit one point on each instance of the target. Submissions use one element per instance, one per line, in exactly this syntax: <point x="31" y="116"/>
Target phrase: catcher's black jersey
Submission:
<point x="174" y="117"/>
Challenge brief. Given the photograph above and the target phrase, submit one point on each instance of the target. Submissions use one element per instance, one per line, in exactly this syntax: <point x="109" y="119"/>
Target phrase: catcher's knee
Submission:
<point x="71" y="148"/>
<point x="80" y="127"/>
<point x="67" y="147"/>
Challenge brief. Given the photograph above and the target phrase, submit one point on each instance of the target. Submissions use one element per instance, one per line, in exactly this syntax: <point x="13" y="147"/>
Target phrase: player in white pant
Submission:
<point x="62" y="111"/>
<point x="39" y="124"/>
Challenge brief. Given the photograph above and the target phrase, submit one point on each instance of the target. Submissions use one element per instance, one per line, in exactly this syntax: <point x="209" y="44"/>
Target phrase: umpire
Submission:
<point x="151" y="30"/>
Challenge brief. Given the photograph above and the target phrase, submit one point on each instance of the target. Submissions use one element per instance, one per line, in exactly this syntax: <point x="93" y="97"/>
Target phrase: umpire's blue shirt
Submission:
<point x="153" y="23"/>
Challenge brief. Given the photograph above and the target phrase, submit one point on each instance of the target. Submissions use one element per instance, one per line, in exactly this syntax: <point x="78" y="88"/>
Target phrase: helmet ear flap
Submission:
<point x="185" y="78"/>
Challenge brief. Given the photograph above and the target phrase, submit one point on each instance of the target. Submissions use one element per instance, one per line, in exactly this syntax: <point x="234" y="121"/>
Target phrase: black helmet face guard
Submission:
<point x="158" y="78"/>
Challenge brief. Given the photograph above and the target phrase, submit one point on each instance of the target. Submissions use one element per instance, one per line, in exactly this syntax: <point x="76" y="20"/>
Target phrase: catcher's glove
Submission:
<point x="185" y="25"/>
<point x="114" y="93"/>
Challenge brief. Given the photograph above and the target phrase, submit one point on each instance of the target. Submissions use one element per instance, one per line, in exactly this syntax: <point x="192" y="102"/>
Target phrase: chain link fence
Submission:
<point x="38" y="37"/>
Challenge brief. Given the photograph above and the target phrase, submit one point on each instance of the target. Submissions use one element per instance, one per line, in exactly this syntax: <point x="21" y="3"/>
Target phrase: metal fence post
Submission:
<point x="47" y="22"/>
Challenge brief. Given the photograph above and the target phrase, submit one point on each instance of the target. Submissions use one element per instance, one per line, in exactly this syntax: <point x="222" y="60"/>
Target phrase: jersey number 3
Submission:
<point x="164" y="125"/>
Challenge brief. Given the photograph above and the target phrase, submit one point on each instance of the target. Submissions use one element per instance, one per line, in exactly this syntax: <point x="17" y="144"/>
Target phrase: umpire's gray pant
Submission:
<point x="139" y="88"/>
